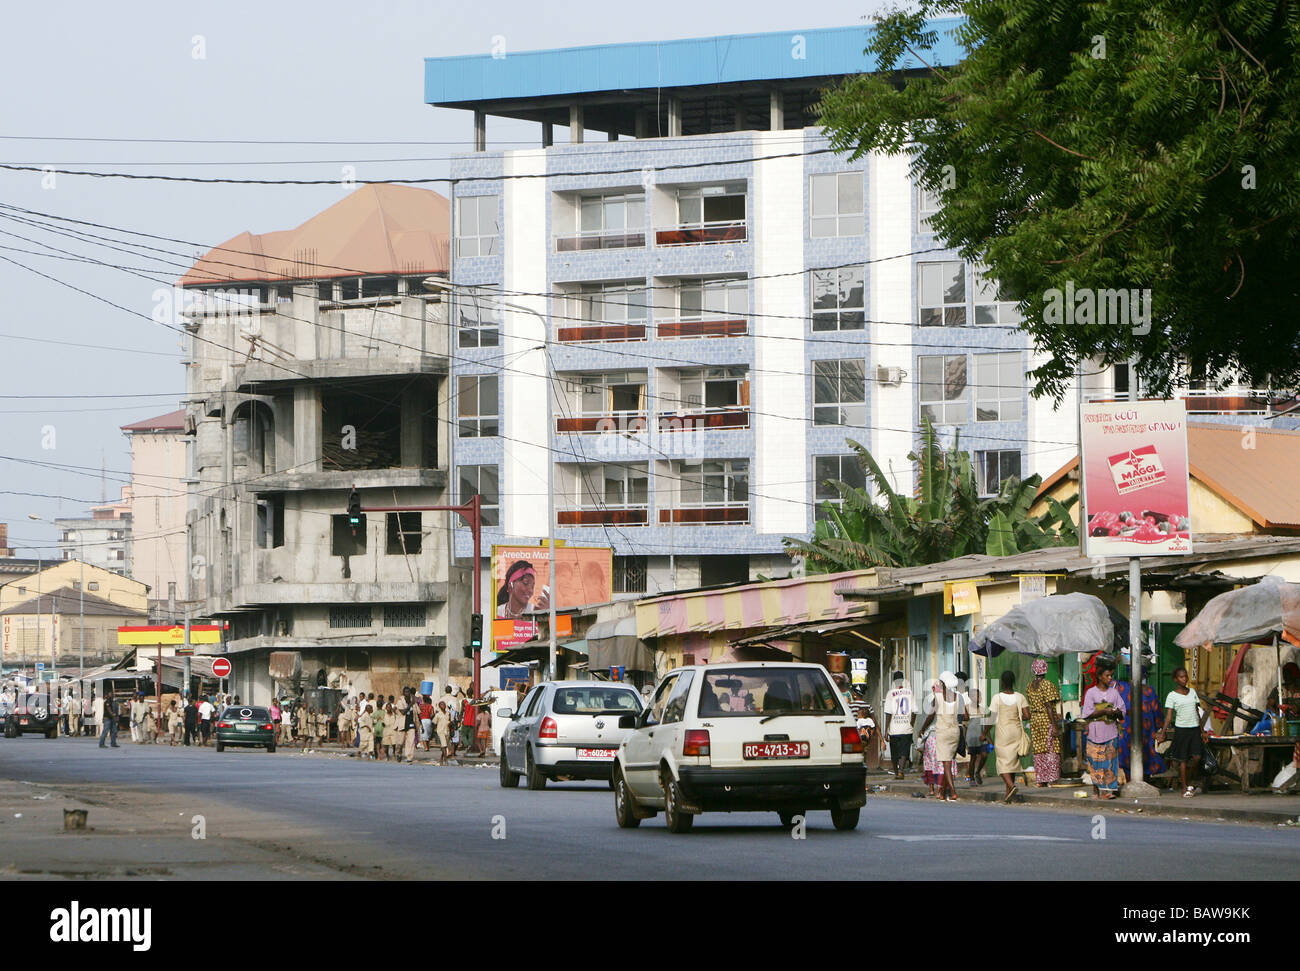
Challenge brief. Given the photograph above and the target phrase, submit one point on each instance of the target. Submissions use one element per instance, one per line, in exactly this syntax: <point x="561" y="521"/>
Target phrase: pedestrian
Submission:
<point x="380" y="721"/>
<point x="88" y="713"/>
<point x="948" y="717"/>
<point x="149" y="725"/>
<point x="306" y="728"/>
<point x="171" y="721"/>
<point x="110" y="721"/>
<point x="484" y="726"/>
<point x="72" y="715"/>
<point x="426" y="721"/>
<point x="1104" y="707"/>
<point x="1184" y="711"/>
<point x="137" y="717"/>
<point x="467" y="724"/>
<point x="976" y="747"/>
<point x="408" y="733"/>
<point x="900" y="706"/>
<point x="442" y="725"/>
<point x="345" y="725"/>
<point x="1153" y="719"/>
<point x="206" y="710"/>
<point x="1008" y="712"/>
<point x="190" y="717"/>
<point x="1044" y="725"/>
<point x="286" y="722"/>
<point x="365" y="729"/>
<point x="275" y="714"/>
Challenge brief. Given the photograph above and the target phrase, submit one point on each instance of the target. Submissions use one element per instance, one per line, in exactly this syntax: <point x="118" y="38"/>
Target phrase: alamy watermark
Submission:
<point x="1107" y="308"/>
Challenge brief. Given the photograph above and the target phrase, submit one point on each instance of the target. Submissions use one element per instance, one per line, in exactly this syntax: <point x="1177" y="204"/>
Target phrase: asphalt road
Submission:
<point x="448" y="822"/>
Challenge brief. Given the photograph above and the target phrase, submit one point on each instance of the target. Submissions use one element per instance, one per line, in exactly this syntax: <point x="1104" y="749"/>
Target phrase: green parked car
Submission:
<point x="246" y="725"/>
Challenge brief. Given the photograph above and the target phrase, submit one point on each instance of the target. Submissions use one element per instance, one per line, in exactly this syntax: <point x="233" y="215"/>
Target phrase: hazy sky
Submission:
<point x="324" y="71"/>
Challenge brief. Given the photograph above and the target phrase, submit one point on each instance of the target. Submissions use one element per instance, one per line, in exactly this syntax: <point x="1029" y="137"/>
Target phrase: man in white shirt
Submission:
<point x="138" y="711"/>
<point x="900" y="706"/>
<point x="205" y="721"/>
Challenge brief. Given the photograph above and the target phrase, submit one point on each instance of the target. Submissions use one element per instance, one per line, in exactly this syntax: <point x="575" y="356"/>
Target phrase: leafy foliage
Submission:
<point x="1125" y="144"/>
<point x="945" y="519"/>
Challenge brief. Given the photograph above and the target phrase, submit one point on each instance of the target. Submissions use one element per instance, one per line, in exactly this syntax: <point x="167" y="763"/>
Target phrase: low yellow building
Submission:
<point x="104" y="584"/>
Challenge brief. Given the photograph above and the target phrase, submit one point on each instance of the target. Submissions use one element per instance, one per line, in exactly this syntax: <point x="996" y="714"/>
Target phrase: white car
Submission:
<point x="741" y="737"/>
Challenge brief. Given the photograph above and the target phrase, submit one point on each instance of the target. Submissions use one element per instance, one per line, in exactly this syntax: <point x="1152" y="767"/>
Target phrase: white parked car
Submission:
<point x="565" y="728"/>
<point x="741" y="737"/>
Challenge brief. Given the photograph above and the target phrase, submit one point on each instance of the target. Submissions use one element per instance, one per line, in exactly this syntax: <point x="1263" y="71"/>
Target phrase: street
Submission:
<point x="331" y="817"/>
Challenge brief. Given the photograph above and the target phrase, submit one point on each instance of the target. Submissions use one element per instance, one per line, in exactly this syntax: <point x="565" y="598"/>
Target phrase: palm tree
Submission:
<point x="945" y="519"/>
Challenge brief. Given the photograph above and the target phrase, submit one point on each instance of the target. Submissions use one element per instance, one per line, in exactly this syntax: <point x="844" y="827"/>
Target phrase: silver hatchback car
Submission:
<point x="566" y="729"/>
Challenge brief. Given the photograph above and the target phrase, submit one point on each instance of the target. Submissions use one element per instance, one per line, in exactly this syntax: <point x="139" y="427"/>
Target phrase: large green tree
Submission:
<point x="1136" y="144"/>
<point x="946" y="517"/>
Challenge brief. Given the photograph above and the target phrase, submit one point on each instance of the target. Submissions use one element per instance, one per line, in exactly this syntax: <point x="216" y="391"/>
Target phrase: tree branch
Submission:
<point x="1035" y="131"/>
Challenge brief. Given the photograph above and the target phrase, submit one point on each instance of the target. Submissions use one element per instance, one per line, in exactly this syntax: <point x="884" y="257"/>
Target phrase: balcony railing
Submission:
<point x="710" y="514"/>
<point x="578" y="242"/>
<point x="1233" y="402"/>
<point x="601" y="332"/>
<point x="738" y="327"/>
<point x="616" y="516"/>
<point x="709" y="418"/>
<point x="722" y="232"/>
<point x="630" y="423"/>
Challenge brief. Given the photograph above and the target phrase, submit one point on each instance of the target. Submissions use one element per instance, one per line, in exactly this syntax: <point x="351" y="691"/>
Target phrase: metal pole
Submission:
<point x="1135" y="667"/>
<point x="81" y="559"/>
<point x="185" y="688"/>
<point x="38" y="612"/>
<point x="476" y="533"/>
<point x="550" y="501"/>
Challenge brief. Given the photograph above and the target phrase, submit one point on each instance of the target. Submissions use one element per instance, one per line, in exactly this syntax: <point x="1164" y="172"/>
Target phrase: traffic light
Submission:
<point x="476" y="631"/>
<point x="354" y="509"/>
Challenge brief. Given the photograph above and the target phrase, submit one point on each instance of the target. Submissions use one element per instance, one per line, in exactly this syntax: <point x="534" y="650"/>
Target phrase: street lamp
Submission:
<point x="446" y="286"/>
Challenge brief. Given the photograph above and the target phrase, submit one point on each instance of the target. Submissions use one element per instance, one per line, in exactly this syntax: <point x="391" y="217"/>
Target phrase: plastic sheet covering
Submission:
<point x="1246" y="615"/>
<point x="1051" y="626"/>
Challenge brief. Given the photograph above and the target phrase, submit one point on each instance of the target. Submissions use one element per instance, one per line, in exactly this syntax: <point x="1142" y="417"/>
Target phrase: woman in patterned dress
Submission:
<point x="1044" y="725"/>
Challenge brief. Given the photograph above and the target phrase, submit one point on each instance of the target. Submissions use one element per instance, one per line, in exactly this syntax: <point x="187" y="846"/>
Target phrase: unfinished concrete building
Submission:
<point x="319" y="362"/>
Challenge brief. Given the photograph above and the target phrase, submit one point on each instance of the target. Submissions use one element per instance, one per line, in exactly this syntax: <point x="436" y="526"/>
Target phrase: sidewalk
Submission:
<point x="1217" y="806"/>
<point x="421" y="756"/>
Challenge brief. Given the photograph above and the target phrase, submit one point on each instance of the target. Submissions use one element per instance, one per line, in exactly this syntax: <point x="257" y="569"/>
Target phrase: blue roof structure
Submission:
<point x="694" y="62"/>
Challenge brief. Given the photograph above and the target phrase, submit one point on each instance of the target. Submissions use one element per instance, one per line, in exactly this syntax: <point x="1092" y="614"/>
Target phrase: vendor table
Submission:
<point x="1237" y="749"/>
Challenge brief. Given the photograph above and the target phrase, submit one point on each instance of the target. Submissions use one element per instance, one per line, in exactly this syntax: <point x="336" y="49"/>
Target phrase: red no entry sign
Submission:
<point x="221" y="668"/>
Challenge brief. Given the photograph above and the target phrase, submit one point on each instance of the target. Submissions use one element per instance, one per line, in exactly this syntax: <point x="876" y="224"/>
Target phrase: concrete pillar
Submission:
<point x="611" y="136"/>
<point x="414" y="403"/>
<point x="480" y="131"/>
<point x="776" y="110"/>
<point x="548" y="134"/>
<point x="740" y="118"/>
<point x="307" y="429"/>
<point x="575" y="124"/>
<point x="674" y="116"/>
<point x="642" y="123"/>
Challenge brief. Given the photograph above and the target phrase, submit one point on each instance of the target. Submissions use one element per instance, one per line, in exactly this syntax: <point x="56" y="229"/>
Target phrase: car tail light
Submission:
<point x="223" y="724"/>
<point x="850" y="741"/>
<point x="268" y="728"/>
<point x="696" y="743"/>
<point x="549" y="728"/>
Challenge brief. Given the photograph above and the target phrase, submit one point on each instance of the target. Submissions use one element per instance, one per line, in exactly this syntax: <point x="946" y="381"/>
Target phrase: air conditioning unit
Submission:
<point x="889" y="375"/>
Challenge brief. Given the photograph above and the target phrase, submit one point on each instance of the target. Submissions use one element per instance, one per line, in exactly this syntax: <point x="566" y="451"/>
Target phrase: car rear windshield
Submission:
<point x="236" y="713"/>
<point x="36" y="701"/>
<point x="741" y="692"/>
<point x="596" y="700"/>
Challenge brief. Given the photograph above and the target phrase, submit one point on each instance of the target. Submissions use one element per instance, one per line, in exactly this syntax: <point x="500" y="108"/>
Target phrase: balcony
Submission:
<point x="598" y="240"/>
<point x="1234" y="401"/>
<point x="710" y="418"/>
<point x="709" y="514"/>
<point x="601" y="332"/>
<point x="720" y="232"/>
<point x="616" y="516"/>
<point x="671" y="330"/>
<point x="629" y="423"/>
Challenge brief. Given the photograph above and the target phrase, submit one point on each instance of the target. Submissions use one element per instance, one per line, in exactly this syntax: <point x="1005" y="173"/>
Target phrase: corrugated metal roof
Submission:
<point x="781" y="55"/>
<point x="378" y="229"/>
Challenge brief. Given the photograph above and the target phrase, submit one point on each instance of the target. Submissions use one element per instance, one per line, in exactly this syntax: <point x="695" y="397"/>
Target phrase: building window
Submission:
<point x="724" y="483"/>
<point x="621" y="486"/>
<point x="482" y="480"/>
<point x="630" y="574"/>
<point x="476" y="406"/>
<point x="839" y="393"/>
<point x="346" y="540"/>
<point x="713" y="298"/>
<point x="270" y="522"/>
<point x="404" y="534"/>
<point x="350" y="617"/>
<point x="609" y="220"/>
<point x="404" y="615"/>
<point x="999" y="387"/>
<point x="476" y="226"/>
<point x="478" y="316"/>
<point x="711" y="205"/>
<point x="927" y="204"/>
<point x="612" y="393"/>
<point x="92" y="585"/>
<point x="835" y="204"/>
<point x="837" y="298"/>
<point x="990" y="307"/>
<point x="607" y="303"/>
<point x="828" y="468"/>
<point x="941" y="389"/>
<point x="994" y="468"/>
<point x="714" y="388"/>
<point x="941" y="290"/>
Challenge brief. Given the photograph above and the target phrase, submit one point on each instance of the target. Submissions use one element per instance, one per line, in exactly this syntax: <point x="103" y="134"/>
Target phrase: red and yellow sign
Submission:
<point x="169" y="635"/>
